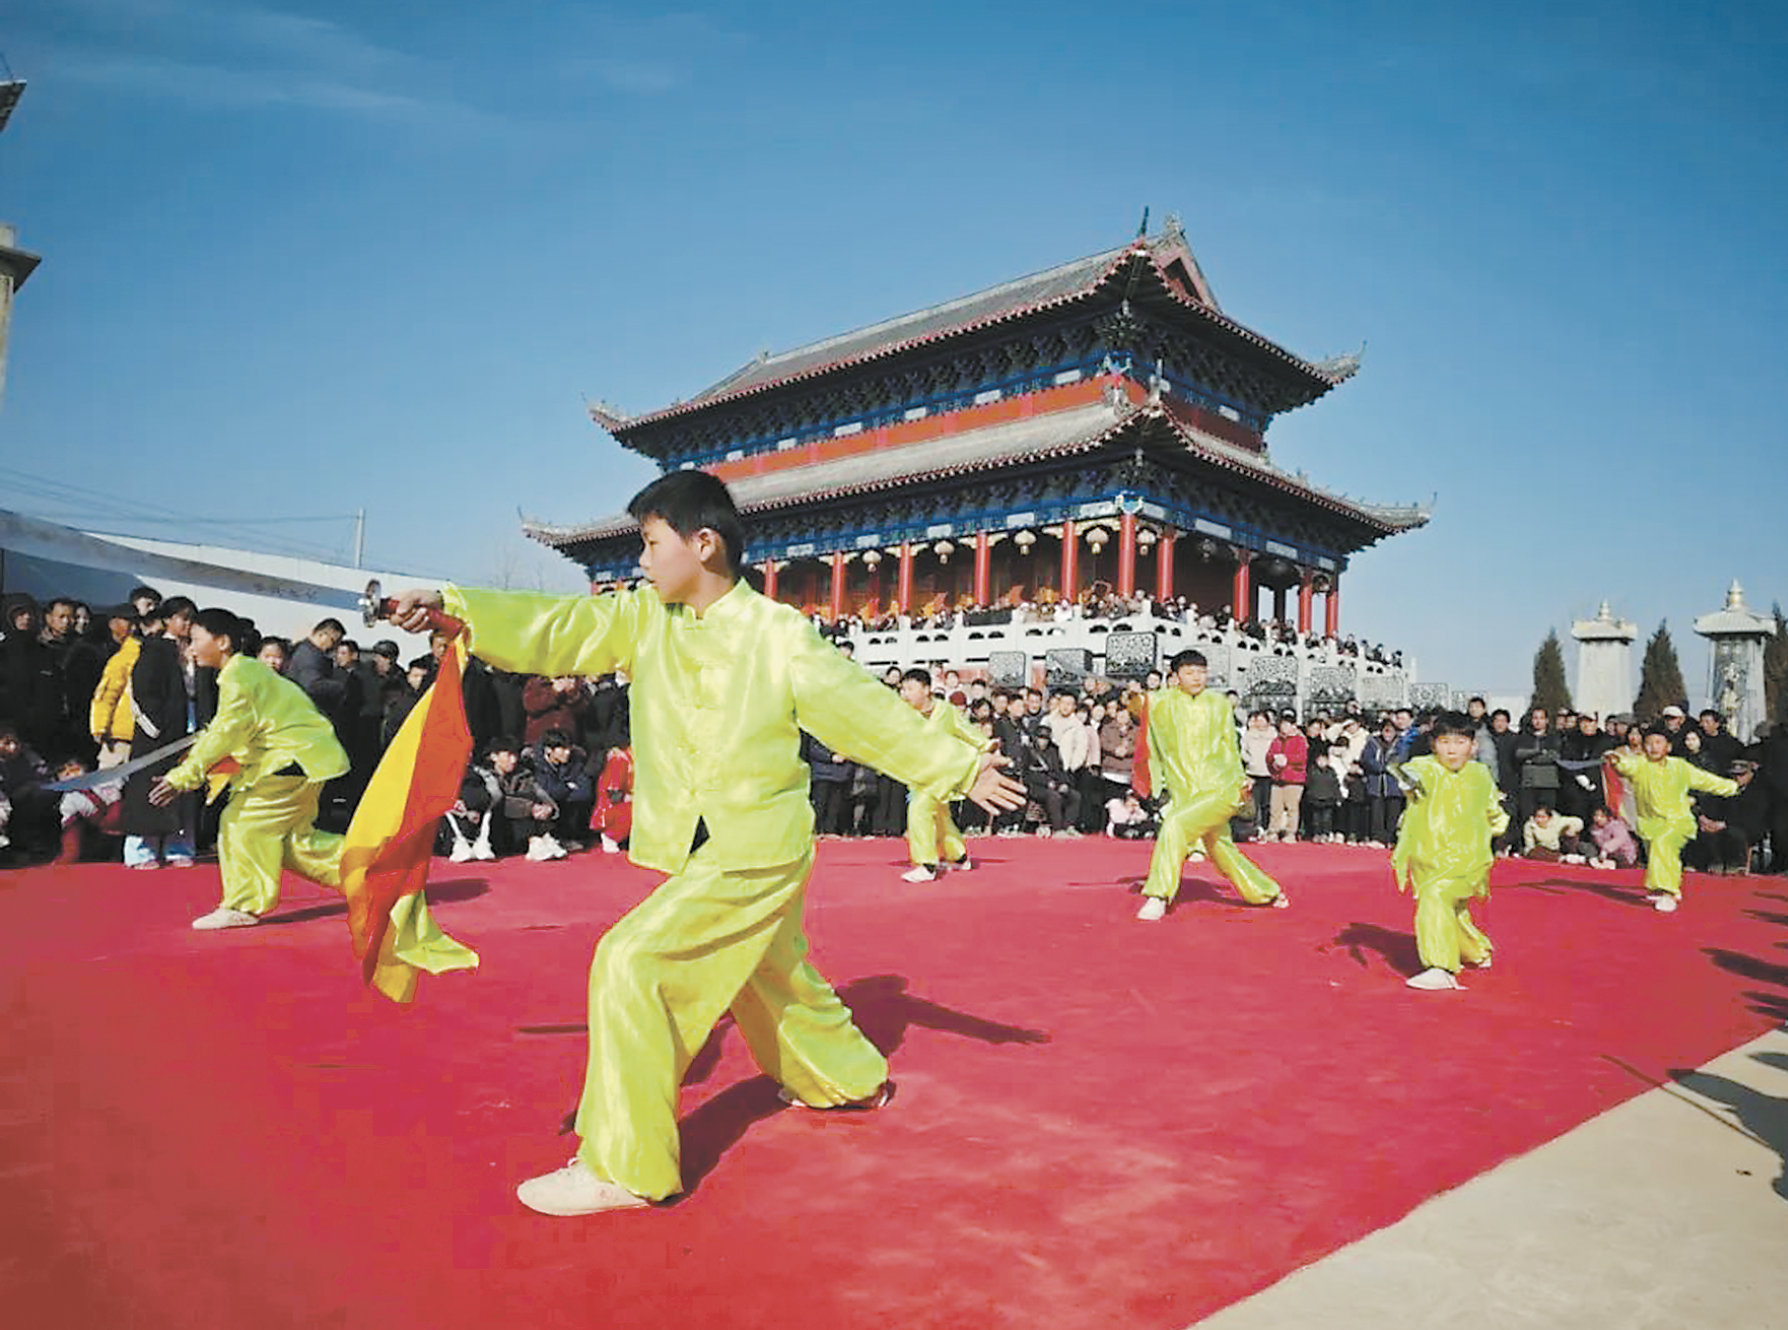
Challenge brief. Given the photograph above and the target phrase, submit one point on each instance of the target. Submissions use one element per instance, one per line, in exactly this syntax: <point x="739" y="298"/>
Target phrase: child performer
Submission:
<point x="931" y="837"/>
<point x="286" y="749"/>
<point x="1192" y="744"/>
<point x="1443" y="848"/>
<point x="723" y="681"/>
<point x="1660" y="785"/>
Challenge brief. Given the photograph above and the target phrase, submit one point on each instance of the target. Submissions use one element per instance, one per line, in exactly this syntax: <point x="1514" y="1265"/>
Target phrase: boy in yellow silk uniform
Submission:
<point x="1660" y="785"/>
<point x="932" y="838"/>
<point x="723" y="680"/>
<point x="1194" y="751"/>
<point x="1443" y="848"/>
<point x="285" y="750"/>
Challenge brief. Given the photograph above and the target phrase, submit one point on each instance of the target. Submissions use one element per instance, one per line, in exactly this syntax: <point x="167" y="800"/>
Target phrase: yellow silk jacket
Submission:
<point x="109" y="716"/>
<point x="946" y="718"/>
<point x="1193" y="747"/>
<point x="717" y="706"/>
<point x="1448" y="827"/>
<point x="266" y="722"/>
<point x="1661" y="790"/>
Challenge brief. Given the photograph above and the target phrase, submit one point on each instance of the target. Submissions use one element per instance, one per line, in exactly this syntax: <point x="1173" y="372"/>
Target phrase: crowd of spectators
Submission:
<point x="552" y="768"/>
<point x="82" y="690"/>
<point x="1332" y="777"/>
<point x="1218" y="628"/>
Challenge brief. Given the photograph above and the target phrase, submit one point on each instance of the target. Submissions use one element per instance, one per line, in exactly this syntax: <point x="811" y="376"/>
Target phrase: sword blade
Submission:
<point x="109" y="774"/>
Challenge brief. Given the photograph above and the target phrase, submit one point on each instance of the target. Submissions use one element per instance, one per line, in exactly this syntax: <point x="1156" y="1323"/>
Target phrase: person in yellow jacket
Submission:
<point x="284" y="750"/>
<point x="1443" y="850"/>
<point x="1661" y="785"/>
<point x="110" y="719"/>
<point x="723" y="681"/>
<point x="932" y="838"/>
<point x="1194" y="751"/>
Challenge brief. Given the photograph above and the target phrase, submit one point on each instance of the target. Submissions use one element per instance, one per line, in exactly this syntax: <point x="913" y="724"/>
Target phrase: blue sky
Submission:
<point x="305" y="258"/>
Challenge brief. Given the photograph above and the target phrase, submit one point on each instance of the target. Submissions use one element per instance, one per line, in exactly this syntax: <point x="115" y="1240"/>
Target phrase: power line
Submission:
<point x="61" y="501"/>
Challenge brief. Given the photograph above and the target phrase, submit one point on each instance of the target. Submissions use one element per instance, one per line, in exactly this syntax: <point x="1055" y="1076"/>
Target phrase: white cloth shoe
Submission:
<point x="920" y="873"/>
<point x="574" y="1190"/>
<point x="461" y="853"/>
<point x="224" y="917"/>
<point x="554" y="850"/>
<point x="884" y="1093"/>
<point x="962" y="865"/>
<point x="1663" y="902"/>
<point x="1435" y="980"/>
<point x="481" y="850"/>
<point x="537" y="849"/>
<point x="609" y="846"/>
<point x="1153" y="908"/>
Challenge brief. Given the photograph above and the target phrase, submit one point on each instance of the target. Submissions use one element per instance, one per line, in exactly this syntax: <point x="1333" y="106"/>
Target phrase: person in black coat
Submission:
<point x="1580" y="788"/>
<point x="828" y="785"/>
<point x="31" y="691"/>
<point x="1729" y="827"/>
<point x="1772" y="752"/>
<point x="162" y="701"/>
<point x="1536" y="761"/>
<point x="312" y="668"/>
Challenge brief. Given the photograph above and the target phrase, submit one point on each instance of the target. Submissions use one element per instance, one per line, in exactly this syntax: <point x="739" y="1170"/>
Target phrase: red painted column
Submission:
<point x="1304" y="595"/>
<point x="769" y="579"/>
<point x="837" y="606"/>
<point x="1164" y="564"/>
<point x="1332" y="606"/>
<point x="1070" y="562"/>
<point x="1241" y="596"/>
<point x="983" y="568"/>
<point x="904" y="583"/>
<point x="1126" y="579"/>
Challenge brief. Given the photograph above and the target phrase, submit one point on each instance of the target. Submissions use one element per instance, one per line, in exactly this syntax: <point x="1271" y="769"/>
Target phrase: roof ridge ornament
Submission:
<point x="608" y="415"/>
<point x="1341" y="368"/>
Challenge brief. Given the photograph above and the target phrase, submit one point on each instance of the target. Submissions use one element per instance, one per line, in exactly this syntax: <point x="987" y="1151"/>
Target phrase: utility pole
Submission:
<point x="360" y="538"/>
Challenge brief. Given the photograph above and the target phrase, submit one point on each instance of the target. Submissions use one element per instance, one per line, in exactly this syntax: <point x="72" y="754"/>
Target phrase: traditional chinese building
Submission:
<point x="1103" y="421"/>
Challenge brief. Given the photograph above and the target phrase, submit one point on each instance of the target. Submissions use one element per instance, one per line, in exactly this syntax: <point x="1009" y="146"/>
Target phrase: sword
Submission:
<point x="107" y="775"/>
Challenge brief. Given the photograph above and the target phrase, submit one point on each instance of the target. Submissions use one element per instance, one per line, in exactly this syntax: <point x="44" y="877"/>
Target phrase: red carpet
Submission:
<point x="1101" y="1123"/>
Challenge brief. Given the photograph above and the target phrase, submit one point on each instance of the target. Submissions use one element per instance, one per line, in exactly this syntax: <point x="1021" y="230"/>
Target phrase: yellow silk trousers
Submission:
<point x="1204" y="820"/>
<point x="267" y="825"/>
<point x="1663" y="863"/>
<point x="1445" y="931"/>
<point x="931" y="835"/>
<point x="707" y="940"/>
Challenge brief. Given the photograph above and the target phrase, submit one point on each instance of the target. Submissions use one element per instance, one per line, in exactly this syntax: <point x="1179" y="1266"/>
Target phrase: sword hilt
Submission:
<point x="376" y="607"/>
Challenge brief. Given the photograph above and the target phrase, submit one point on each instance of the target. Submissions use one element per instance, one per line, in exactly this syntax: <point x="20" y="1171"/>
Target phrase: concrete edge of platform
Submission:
<point x="1669" y="1210"/>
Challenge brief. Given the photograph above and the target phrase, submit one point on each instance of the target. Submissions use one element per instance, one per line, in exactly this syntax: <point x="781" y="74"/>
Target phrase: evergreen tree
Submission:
<point x="1660" y="678"/>
<point x="1549" y="688"/>
<point x="1775" y="670"/>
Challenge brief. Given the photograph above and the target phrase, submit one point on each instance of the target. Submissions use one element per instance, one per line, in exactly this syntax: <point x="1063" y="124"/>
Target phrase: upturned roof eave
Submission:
<point x="1381" y="519"/>
<point x="623" y="426"/>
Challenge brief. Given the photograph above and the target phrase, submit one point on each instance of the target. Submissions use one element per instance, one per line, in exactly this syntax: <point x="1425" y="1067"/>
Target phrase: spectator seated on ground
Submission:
<point x="1550" y="836"/>
<point x="86" y="815"/>
<point x="560" y="777"/>
<point x="1127" y="819"/>
<point x="28" y="815"/>
<point x="1616" y="846"/>
<point x="501" y="810"/>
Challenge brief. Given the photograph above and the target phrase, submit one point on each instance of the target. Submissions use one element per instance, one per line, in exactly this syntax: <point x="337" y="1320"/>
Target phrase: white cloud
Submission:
<point x="249" y="55"/>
